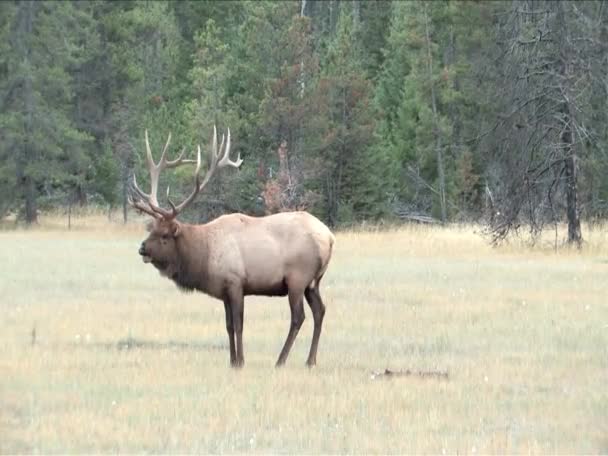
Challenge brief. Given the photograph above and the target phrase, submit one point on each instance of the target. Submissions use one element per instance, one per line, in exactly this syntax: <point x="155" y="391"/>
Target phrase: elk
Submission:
<point x="235" y="255"/>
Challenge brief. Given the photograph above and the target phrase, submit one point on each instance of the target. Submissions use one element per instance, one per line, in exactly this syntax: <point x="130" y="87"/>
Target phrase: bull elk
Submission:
<point x="235" y="255"/>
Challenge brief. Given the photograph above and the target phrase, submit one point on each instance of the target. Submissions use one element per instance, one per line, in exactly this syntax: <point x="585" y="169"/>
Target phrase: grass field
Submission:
<point x="124" y="362"/>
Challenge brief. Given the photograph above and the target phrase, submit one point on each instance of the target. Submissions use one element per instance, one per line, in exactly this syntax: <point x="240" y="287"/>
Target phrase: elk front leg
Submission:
<point x="235" y="296"/>
<point x="230" y="329"/>
<point x="296" y="304"/>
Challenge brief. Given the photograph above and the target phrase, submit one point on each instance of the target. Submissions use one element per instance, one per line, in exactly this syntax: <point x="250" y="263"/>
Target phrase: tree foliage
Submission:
<point x="459" y="111"/>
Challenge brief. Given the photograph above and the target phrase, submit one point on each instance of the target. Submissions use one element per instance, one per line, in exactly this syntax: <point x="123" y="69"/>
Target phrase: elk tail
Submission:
<point x="325" y="261"/>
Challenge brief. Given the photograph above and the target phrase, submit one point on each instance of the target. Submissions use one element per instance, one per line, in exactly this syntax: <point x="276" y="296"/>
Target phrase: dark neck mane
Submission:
<point x="191" y="268"/>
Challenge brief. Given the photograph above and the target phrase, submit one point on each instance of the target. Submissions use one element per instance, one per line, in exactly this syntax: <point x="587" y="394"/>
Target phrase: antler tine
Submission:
<point x="143" y="208"/>
<point x="197" y="187"/>
<point x="198" y="161"/>
<point x="149" y="158"/>
<point x="143" y="203"/>
<point x="173" y="208"/>
<point x="150" y="199"/>
<point x="163" y="156"/>
<point x="225" y="161"/>
<point x="143" y="196"/>
<point x="138" y="203"/>
<point x="154" y="171"/>
<point x="140" y="193"/>
<point x="210" y="170"/>
<point x="221" y="151"/>
<point x="220" y="157"/>
<point x="179" y="160"/>
<point x="164" y="163"/>
<point x="214" y="153"/>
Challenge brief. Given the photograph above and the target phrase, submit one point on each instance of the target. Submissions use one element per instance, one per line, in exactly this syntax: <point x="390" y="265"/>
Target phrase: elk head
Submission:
<point x="159" y="248"/>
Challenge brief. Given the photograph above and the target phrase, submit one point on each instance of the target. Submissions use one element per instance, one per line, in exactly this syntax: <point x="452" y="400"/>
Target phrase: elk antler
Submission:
<point x="219" y="159"/>
<point x="148" y="203"/>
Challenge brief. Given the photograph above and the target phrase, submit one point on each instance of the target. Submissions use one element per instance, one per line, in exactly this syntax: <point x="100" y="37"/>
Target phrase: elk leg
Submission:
<point x="236" y="305"/>
<point x="230" y="329"/>
<point x="313" y="297"/>
<point x="296" y="305"/>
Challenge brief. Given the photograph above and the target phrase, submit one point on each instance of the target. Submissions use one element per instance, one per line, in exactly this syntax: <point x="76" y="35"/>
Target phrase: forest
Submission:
<point x="357" y="111"/>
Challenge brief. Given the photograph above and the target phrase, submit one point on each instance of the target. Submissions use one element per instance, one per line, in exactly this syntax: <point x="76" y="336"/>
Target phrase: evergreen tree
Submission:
<point x="211" y="107"/>
<point x="40" y="142"/>
<point x="450" y="109"/>
<point x="289" y="110"/>
<point x="145" y="94"/>
<point x="353" y="175"/>
<point x="425" y="99"/>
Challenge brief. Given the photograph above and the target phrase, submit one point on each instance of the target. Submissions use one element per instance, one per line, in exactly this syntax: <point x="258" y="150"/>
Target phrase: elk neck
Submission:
<point x="192" y="258"/>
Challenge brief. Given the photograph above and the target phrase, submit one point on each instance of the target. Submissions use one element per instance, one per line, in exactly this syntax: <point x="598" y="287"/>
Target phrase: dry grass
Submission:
<point x="522" y="333"/>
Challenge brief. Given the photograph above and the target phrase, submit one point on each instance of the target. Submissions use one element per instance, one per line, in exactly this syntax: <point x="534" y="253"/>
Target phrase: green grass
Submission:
<point x="522" y="334"/>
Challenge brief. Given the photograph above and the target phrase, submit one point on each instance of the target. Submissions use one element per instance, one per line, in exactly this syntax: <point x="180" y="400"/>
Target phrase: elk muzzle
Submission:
<point x="142" y="252"/>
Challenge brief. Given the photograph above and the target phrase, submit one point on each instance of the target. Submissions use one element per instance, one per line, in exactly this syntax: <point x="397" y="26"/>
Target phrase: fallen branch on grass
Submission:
<point x="441" y="375"/>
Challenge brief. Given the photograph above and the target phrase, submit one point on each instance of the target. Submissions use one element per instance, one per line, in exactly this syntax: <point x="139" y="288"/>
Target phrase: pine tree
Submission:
<point x="354" y="176"/>
<point x="143" y="45"/>
<point x="210" y="107"/>
<point x="421" y="94"/>
<point x="40" y="142"/>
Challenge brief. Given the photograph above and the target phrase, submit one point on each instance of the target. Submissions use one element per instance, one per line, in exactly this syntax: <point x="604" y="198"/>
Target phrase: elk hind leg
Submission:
<point x="296" y="305"/>
<point x="313" y="297"/>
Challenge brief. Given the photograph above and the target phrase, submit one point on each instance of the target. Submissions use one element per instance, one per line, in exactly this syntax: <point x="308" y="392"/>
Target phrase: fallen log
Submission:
<point x="440" y="375"/>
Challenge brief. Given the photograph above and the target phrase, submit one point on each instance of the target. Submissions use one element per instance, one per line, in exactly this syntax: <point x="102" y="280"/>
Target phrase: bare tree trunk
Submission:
<point x="567" y="140"/>
<point x="81" y="195"/>
<point x="437" y="132"/>
<point x="357" y="12"/>
<point x="334" y="183"/>
<point x="31" y="205"/>
<point x="302" y="82"/>
<point x="125" y="194"/>
<point x="123" y="150"/>
<point x="69" y="213"/>
<point x="571" y="173"/>
<point x="332" y="202"/>
<point x="551" y="48"/>
<point x="27" y="182"/>
<point x="574" y="223"/>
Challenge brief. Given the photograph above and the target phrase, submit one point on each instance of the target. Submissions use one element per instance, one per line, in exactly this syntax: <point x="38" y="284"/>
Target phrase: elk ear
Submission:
<point x="175" y="229"/>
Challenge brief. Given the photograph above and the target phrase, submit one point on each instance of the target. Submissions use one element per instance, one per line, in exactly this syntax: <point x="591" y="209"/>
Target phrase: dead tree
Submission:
<point x="548" y="50"/>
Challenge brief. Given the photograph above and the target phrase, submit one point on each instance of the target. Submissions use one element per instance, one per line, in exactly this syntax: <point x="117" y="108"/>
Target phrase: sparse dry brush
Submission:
<point x="123" y="363"/>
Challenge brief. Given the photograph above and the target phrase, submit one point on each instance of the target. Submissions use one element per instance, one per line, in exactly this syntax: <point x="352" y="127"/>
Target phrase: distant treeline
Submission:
<point x="353" y="110"/>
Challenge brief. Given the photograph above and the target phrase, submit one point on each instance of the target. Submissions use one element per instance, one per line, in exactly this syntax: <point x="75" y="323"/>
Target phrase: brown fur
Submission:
<point x="236" y="255"/>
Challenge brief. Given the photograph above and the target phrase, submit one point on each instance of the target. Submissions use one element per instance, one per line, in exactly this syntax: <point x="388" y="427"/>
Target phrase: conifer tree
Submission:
<point x="40" y="143"/>
<point x="353" y="175"/>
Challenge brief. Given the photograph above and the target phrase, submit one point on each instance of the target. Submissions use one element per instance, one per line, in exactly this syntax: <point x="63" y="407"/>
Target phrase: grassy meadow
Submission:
<point x="102" y="355"/>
